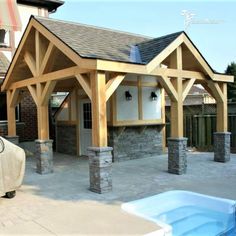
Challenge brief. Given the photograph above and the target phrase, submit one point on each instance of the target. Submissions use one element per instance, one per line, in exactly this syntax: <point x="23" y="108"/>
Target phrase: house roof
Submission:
<point x="51" y="5"/>
<point x="4" y="63"/>
<point x="100" y="43"/>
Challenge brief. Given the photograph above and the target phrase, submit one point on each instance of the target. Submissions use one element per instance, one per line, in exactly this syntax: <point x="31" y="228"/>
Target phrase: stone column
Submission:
<point x="100" y="169"/>
<point x="222" y="146"/>
<point x="13" y="139"/>
<point x="44" y="156"/>
<point x="177" y="156"/>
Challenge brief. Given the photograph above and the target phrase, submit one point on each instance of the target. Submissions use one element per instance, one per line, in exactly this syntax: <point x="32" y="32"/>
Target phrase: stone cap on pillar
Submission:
<point x="177" y="139"/>
<point x="100" y="149"/>
<point x="43" y="141"/>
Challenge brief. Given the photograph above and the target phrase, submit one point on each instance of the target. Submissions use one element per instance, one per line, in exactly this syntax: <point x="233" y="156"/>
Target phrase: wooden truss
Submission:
<point x="37" y="67"/>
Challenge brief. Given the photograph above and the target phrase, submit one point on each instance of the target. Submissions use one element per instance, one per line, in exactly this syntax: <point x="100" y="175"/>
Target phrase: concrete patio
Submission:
<point x="60" y="203"/>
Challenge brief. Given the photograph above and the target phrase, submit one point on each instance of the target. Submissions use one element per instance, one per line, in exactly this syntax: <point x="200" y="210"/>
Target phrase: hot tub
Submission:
<point x="183" y="213"/>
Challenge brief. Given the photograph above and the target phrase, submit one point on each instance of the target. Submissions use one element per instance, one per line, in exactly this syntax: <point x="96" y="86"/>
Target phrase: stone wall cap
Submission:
<point x="100" y="149"/>
<point x="11" y="137"/>
<point x="177" y="139"/>
<point x="222" y="133"/>
<point x="43" y="141"/>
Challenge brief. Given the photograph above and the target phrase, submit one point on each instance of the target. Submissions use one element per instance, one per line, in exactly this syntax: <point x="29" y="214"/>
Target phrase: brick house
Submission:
<point x="13" y="24"/>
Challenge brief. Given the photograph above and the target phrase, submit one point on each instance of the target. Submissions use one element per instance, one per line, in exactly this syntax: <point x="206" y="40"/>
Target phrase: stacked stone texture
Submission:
<point x="135" y="142"/>
<point x="66" y="139"/>
<point x="100" y="169"/>
<point x="222" y="146"/>
<point x="177" y="155"/>
<point x="44" y="156"/>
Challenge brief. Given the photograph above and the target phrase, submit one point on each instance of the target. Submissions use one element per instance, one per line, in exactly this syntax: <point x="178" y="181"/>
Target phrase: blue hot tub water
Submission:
<point x="188" y="214"/>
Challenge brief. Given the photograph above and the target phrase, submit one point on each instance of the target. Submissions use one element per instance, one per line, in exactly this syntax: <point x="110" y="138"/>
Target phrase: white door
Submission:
<point x="85" y="126"/>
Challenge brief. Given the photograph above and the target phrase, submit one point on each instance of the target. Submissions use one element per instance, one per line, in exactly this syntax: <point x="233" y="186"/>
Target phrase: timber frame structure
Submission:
<point x="44" y="64"/>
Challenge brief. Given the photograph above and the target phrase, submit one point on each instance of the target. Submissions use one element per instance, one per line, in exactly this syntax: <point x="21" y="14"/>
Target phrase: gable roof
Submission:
<point x="151" y="48"/>
<point x="100" y="43"/>
<point x="4" y="63"/>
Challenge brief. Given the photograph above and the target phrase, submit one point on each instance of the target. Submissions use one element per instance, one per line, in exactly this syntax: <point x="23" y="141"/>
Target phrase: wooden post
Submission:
<point x="99" y="116"/>
<point x="11" y="116"/>
<point x="222" y="111"/>
<point x="177" y="106"/>
<point x="43" y="122"/>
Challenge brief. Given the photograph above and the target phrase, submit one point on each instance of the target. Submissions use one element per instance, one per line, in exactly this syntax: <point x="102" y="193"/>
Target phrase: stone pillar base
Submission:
<point x="177" y="156"/>
<point x="100" y="167"/>
<point x="222" y="146"/>
<point x="13" y="139"/>
<point x="44" y="156"/>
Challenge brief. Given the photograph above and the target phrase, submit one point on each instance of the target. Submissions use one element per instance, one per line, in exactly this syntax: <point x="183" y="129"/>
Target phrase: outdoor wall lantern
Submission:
<point x="128" y="96"/>
<point x="153" y="96"/>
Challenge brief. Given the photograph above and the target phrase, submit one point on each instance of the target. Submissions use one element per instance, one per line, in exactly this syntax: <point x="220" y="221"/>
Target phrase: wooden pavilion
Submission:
<point x="56" y="56"/>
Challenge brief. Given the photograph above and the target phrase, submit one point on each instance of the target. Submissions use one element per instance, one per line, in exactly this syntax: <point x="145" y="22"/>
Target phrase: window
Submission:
<point x="4" y="39"/>
<point x="3" y="108"/>
<point x="87" y="116"/>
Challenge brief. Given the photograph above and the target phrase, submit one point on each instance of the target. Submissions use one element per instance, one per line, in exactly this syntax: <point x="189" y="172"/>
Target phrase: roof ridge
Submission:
<point x="95" y="27"/>
<point x="163" y="36"/>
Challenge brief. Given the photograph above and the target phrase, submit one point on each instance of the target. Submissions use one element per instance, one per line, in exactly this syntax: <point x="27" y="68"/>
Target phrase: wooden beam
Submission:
<point x="47" y="92"/>
<point x="30" y="63"/>
<point x="56" y="75"/>
<point x="177" y="111"/>
<point x="72" y="55"/>
<point x="222" y="110"/>
<point x="223" y="78"/>
<point x="99" y="115"/>
<point x="216" y="91"/>
<point x="187" y="85"/>
<point x="154" y="63"/>
<point x="43" y="122"/>
<point x="85" y="83"/>
<point x="113" y="84"/>
<point x="177" y="106"/>
<point x="198" y="56"/>
<point x="169" y="88"/>
<point x="46" y="58"/>
<point x="32" y="90"/>
<point x="11" y="116"/>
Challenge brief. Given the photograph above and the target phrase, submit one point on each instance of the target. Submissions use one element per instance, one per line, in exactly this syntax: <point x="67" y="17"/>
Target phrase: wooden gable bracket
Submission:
<point x="216" y="91"/>
<point x="84" y="81"/>
<point x="113" y="84"/>
<point x="41" y="92"/>
<point x="169" y="88"/>
<point x="30" y="61"/>
<point x="187" y="85"/>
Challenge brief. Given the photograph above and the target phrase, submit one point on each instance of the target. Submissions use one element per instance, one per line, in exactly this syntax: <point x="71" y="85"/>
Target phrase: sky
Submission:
<point x="213" y="28"/>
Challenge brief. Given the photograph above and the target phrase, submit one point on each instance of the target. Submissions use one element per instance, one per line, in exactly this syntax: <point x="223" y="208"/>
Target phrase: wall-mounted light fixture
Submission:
<point x="153" y="96"/>
<point x="128" y="96"/>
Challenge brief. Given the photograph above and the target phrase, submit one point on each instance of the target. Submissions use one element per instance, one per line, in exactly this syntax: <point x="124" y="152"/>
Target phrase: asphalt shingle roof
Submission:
<point x="100" y="43"/>
<point x="4" y="63"/>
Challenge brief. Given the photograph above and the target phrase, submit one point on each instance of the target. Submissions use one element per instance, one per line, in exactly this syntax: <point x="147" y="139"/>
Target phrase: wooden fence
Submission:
<point x="199" y="130"/>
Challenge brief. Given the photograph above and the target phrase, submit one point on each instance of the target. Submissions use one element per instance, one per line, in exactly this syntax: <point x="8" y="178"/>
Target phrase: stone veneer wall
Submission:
<point x="135" y="142"/>
<point x="66" y="139"/>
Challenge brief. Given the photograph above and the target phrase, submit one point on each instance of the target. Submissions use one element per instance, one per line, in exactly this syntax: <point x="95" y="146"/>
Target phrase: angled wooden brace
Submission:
<point x="187" y="85"/>
<point x="30" y="63"/>
<point x="47" y="91"/>
<point x="84" y="82"/>
<point x="113" y="84"/>
<point x="46" y="61"/>
<point x="32" y="90"/>
<point x="169" y="88"/>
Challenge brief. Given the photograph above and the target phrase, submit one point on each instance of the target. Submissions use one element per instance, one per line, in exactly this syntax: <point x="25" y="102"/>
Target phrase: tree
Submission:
<point x="231" y="70"/>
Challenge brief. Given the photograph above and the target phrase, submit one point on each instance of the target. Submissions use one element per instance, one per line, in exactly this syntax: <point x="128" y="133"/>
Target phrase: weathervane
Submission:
<point x="189" y="20"/>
